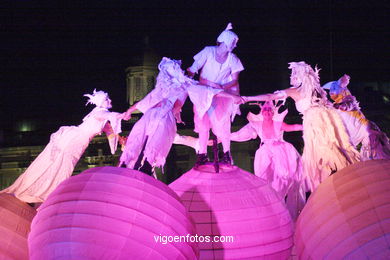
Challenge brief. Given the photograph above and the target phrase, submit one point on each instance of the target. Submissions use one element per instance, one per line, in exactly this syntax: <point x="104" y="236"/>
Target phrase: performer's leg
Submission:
<point x="146" y="168"/>
<point x="138" y="163"/>
<point x="221" y="128"/>
<point x="204" y="136"/>
<point x="203" y="140"/>
<point x="202" y="127"/>
<point x="225" y="144"/>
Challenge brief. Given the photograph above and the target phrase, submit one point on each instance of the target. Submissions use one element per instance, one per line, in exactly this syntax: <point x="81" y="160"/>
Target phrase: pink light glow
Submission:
<point x="236" y="203"/>
<point x="110" y="213"/>
<point x="15" y="220"/>
<point x="348" y="216"/>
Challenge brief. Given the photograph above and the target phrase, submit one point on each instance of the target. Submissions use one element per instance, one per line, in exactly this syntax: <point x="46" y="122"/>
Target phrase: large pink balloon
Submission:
<point x="348" y="216"/>
<point x="15" y="221"/>
<point x="236" y="203"/>
<point x="111" y="213"/>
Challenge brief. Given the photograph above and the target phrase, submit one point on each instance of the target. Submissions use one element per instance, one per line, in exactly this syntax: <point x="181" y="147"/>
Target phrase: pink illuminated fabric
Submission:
<point x="111" y="213"/>
<point x="239" y="204"/>
<point x="327" y="145"/>
<point x="57" y="161"/>
<point x="276" y="161"/>
<point x="15" y="220"/>
<point x="348" y="216"/>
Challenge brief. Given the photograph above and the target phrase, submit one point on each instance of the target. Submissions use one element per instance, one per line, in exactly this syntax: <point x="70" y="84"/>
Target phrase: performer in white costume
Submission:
<point x="327" y="145"/>
<point x="57" y="161"/>
<point x="276" y="160"/>
<point x="154" y="133"/>
<point x="219" y="68"/>
<point x="374" y="143"/>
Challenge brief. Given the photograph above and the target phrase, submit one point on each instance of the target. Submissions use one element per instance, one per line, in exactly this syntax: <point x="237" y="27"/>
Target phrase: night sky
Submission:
<point x="52" y="53"/>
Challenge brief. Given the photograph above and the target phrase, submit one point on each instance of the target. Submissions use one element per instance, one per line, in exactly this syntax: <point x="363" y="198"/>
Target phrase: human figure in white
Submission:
<point x="219" y="68"/>
<point x="154" y="133"/>
<point x="276" y="161"/>
<point x="374" y="143"/>
<point x="327" y="146"/>
<point x="57" y="161"/>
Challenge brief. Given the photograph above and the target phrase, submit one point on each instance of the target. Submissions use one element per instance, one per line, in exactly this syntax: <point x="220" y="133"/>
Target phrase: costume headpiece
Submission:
<point x="268" y="104"/>
<point x="334" y="85"/>
<point x="309" y="82"/>
<point x="170" y="69"/>
<point x="330" y="85"/>
<point x="97" y="98"/>
<point x="304" y="68"/>
<point x="166" y="62"/>
<point x="228" y="37"/>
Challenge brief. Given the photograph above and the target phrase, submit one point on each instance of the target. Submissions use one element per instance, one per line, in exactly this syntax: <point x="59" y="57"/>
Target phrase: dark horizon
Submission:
<point x="54" y="54"/>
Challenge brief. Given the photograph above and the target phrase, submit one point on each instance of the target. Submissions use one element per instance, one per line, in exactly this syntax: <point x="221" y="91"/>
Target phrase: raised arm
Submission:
<point x="279" y="94"/>
<point x="177" y="111"/>
<point x="130" y="111"/>
<point x="111" y="116"/>
<point x="292" y="128"/>
<point x="244" y="134"/>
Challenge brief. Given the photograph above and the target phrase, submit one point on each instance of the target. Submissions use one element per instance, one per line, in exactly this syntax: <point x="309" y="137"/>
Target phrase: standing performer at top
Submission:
<point x="327" y="145"/>
<point x="219" y="68"/>
<point x="57" y="161"/>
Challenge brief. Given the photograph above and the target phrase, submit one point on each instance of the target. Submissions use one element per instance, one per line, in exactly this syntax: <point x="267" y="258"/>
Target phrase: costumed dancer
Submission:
<point x="57" y="161"/>
<point x="327" y="146"/>
<point x="276" y="160"/>
<point x="374" y="143"/>
<point x="219" y="69"/>
<point x="151" y="138"/>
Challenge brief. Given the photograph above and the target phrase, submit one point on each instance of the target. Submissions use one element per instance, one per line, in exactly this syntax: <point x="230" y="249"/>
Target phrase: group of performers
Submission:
<point x="332" y="131"/>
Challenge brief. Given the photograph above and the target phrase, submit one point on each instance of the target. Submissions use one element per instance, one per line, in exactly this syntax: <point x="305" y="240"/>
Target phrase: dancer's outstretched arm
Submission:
<point x="279" y="94"/>
<point x="127" y="114"/>
<point x="292" y="128"/>
<point x="244" y="134"/>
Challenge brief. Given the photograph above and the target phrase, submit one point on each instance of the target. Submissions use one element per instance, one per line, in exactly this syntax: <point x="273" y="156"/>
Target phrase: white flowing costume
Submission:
<point x="157" y="126"/>
<point x="276" y="161"/>
<point x="327" y="144"/>
<point x="219" y="115"/>
<point x="57" y="161"/>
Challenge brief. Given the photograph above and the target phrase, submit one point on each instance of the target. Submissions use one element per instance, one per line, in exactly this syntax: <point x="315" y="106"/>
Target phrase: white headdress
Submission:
<point x="330" y="85"/>
<point x="309" y="81"/>
<point x="274" y="107"/>
<point x="97" y="98"/>
<point x="228" y="37"/>
<point x="170" y="71"/>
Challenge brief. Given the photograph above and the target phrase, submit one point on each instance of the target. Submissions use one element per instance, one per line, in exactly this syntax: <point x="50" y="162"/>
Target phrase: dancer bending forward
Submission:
<point x="152" y="136"/>
<point x="57" y="161"/>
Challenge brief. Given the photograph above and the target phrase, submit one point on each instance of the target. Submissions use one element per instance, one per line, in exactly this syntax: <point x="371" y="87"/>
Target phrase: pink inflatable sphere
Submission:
<point x="15" y="221"/>
<point x="239" y="210"/>
<point x="111" y="213"/>
<point x="348" y="216"/>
